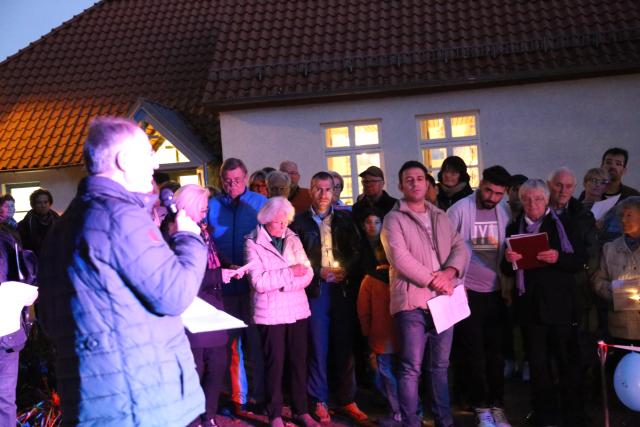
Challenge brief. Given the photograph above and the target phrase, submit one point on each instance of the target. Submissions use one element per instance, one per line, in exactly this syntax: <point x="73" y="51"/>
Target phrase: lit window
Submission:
<point x="452" y="134"/>
<point x="21" y="192"/>
<point x="351" y="149"/>
<point x="188" y="179"/>
<point x="167" y="153"/>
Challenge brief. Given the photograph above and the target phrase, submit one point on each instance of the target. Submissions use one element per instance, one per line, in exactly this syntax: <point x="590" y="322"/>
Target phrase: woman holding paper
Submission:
<point x="279" y="271"/>
<point x="547" y="305"/>
<point x="620" y="268"/>
<point x="209" y="348"/>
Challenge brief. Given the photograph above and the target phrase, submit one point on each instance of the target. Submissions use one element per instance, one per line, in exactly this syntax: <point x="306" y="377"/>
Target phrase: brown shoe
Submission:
<point x="352" y="411"/>
<point x="321" y="413"/>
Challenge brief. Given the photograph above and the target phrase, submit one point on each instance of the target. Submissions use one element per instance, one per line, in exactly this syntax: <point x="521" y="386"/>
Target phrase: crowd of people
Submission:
<point x="333" y="295"/>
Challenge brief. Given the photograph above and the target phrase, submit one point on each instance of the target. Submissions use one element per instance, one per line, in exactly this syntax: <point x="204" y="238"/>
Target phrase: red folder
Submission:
<point x="528" y="245"/>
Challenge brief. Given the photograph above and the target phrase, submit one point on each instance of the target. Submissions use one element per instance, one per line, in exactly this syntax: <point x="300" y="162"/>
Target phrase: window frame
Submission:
<point x="449" y="142"/>
<point x="353" y="150"/>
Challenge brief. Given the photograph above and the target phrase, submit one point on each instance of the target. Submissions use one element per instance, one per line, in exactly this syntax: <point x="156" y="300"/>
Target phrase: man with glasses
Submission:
<point x="298" y="196"/>
<point x="373" y="196"/>
<point x="233" y="215"/>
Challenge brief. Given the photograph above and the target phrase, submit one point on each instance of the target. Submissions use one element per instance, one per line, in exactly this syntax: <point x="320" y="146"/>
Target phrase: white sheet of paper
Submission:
<point x="600" y="208"/>
<point x="13" y="297"/>
<point x="447" y="310"/>
<point x="201" y="316"/>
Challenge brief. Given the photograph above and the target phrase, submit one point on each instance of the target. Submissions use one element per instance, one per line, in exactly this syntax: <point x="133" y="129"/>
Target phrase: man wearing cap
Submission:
<point x="299" y="197"/>
<point x="373" y="196"/>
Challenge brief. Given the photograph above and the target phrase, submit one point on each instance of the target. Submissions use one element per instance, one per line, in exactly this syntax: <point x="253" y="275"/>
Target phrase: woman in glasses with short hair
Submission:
<point x="595" y="181"/>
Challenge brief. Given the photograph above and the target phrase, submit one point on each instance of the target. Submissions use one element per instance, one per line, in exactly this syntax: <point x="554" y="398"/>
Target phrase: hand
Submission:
<point x="549" y="256"/>
<point x="299" y="270"/>
<point x="442" y="281"/>
<point x="512" y="256"/>
<point x="228" y="274"/>
<point x="332" y="275"/>
<point x="184" y="223"/>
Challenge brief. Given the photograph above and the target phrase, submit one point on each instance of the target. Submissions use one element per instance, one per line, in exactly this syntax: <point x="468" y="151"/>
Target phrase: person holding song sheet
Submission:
<point x="547" y="305"/>
<point x="619" y="276"/>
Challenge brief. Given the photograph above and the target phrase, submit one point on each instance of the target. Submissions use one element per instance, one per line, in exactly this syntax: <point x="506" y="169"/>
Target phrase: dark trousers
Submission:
<point x="279" y="343"/>
<point x="480" y="337"/>
<point x="559" y="344"/>
<point x="331" y="336"/>
<point x="8" y="381"/>
<point x="211" y="364"/>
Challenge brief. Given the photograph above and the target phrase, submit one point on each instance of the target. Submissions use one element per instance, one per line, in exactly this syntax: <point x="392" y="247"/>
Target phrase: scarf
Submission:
<point x="534" y="227"/>
<point x="213" y="261"/>
<point x="450" y="191"/>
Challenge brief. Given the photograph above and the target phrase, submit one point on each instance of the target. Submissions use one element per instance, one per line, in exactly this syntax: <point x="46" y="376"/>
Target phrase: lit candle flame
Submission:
<point x="336" y="264"/>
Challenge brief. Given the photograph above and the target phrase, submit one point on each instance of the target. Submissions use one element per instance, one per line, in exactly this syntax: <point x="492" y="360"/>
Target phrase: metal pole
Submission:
<point x="602" y="354"/>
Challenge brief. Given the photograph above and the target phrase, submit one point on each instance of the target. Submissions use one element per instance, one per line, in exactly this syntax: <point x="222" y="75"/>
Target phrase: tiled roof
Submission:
<point x="195" y="56"/>
<point x="301" y="49"/>
<point x="100" y="63"/>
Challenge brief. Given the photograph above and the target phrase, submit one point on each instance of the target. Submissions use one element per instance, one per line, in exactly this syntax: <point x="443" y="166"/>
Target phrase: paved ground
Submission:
<point x="517" y="407"/>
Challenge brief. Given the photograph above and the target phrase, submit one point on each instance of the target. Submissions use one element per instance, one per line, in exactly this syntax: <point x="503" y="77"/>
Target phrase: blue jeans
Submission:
<point x="421" y="348"/>
<point x="331" y="335"/>
<point x="386" y="380"/>
<point x="8" y="381"/>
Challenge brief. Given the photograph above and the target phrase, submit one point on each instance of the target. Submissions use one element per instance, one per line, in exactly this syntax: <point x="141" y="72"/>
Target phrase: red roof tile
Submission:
<point x="192" y="54"/>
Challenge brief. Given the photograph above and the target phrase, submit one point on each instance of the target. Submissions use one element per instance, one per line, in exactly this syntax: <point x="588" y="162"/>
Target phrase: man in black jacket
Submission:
<point x="373" y="196"/>
<point x="331" y="242"/>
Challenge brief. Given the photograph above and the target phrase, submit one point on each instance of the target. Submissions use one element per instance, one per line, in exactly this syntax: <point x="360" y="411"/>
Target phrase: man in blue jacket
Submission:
<point x="112" y="292"/>
<point x="232" y="215"/>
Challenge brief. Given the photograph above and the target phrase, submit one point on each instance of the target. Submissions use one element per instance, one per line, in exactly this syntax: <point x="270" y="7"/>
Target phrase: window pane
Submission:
<point x="340" y="164"/>
<point x="188" y="179"/>
<point x="337" y="137"/>
<point x="364" y="160"/>
<point x="347" y="192"/>
<point x="367" y="135"/>
<point x="433" y="157"/>
<point x="468" y="153"/>
<point x="463" y="126"/>
<point x="432" y="129"/>
<point x="167" y="153"/>
<point x="474" y="174"/>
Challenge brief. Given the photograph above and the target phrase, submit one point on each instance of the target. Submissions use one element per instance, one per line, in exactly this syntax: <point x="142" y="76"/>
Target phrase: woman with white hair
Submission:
<point x="620" y="262"/>
<point x="209" y="348"/>
<point x="548" y="307"/>
<point x="279" y="272"/>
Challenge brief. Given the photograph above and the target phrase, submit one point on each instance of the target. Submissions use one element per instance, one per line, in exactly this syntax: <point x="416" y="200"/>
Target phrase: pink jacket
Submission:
<point x="277" y="296"/>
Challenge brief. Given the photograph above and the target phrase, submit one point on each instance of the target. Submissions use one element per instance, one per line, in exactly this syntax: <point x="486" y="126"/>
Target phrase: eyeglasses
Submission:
<point x="597" y="181"/>
<point x="371" y="181"/>
<point x="337" y="187"/>
<point x="235" y="181"/>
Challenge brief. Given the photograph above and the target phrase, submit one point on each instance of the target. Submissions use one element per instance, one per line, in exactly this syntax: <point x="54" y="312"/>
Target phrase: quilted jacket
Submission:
<point x="277" y="296"/>
<point x="111" y="293"/>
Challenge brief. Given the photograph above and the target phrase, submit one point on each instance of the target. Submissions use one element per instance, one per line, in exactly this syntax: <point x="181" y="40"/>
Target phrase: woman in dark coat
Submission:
<point x="453" y="182"/>
<point x="547" y="305"/>
<point x="209" y="348"/>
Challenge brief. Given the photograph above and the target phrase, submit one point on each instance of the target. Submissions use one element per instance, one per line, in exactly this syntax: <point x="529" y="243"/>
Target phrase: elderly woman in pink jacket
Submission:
<point x="279" y="271"/>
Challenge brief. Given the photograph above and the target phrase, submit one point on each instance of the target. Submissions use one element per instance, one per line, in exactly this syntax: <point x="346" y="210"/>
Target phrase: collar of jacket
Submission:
<point x="263" y="239"/>
<point x="99" y="185"/>
<point x="432" y="210"/>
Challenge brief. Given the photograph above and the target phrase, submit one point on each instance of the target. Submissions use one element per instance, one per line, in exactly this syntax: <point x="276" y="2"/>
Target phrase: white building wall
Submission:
<point x="529" y="129"/>
<point x="62" y="183"/>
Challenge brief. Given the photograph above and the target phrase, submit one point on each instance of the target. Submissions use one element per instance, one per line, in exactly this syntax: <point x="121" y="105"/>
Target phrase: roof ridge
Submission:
<point x="53" y="31"/>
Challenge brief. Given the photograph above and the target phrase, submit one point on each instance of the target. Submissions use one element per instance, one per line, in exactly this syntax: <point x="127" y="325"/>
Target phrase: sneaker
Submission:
<point x="484" y="417"/>
<point x="276" y="422"/>
<point x="352" y="411"/>
<point x="306" y="420"/>
<point x="321" y="413"/>
<point x="526" y="373"/>
<point x="499" y="418"/>
<point x="509" y="368"/>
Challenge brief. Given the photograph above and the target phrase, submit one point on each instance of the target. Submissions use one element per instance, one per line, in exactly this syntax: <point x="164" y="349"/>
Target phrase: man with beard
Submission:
<point x="481" y="222"/>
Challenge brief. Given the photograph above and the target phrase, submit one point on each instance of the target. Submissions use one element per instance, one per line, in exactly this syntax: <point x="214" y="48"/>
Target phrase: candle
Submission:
<point x="336" y="264"/>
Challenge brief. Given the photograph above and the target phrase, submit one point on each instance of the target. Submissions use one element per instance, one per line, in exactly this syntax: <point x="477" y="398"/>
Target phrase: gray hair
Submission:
<point x="595" y="173"/>
<point x="531" y="185"/>
<point x="277" y="176"/>
<point x="273" y="207"/>
<point x="105" y="134"/>
<point x="286" y="163"/>
<point x="629" y="203"/>
<point x="561" y="170"/>
<point x="337" y="178"/>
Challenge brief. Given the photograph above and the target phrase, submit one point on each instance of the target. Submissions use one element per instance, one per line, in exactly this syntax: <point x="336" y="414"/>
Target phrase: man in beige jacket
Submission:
<point x="427" y="256"/>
